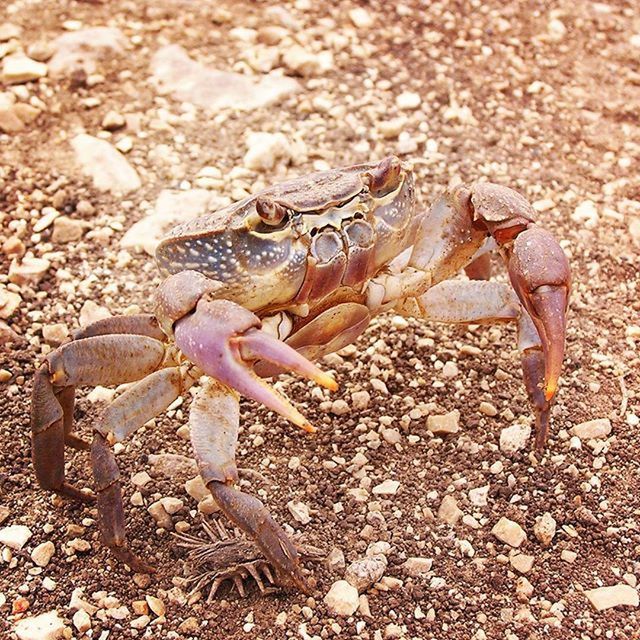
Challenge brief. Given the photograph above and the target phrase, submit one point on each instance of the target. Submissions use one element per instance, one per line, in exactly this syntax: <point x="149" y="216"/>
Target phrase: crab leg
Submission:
<point x="223" y="339"/>
<point x="453" y="233"/>
<point x="90" y="361"/>
<point x="480" y="266"/>
<point x="481" y="302"/>
<point x="214" y="422"/>
<point x="49" y="420"/>
<point x="143" y="324"/>
<point x="101" y="359"/>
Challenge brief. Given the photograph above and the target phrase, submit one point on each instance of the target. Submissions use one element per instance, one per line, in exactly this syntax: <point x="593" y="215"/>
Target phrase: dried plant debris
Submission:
<point x="230" y="557"/>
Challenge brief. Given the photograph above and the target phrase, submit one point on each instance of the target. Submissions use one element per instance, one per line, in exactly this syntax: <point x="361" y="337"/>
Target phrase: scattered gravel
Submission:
<point x="541" y="97"/>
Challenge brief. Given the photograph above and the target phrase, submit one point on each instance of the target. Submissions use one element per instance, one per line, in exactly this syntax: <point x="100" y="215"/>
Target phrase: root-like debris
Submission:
<point x="230" y="557"/>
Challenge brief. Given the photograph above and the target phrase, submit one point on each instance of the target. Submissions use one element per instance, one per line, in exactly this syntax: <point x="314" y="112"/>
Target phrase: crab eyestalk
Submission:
<point x="271" y="212"/>
<point x="385" y="176"/>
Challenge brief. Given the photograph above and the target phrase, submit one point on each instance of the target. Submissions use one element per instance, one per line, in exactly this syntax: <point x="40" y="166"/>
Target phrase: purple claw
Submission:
<point x="223" y="339"/>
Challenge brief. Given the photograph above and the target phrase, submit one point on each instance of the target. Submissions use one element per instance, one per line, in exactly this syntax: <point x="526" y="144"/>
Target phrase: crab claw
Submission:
<point x="540" y="274"/>
<point x="224" y="339"/>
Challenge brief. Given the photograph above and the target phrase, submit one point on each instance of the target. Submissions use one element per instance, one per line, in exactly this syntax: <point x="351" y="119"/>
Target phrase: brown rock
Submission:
<point x="66" y="229"/>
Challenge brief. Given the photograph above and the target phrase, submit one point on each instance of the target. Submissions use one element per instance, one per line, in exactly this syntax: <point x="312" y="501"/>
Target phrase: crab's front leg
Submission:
<point x="452" y="234"/>
<point x="224" y="340"/>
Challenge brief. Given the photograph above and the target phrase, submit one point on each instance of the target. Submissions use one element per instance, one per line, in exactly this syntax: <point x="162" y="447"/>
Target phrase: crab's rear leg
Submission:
<point x="99" y="360"/>
<point x="107" y="360"/>
<point x="51" y="420"/>
<point x="128" y="412"/>
<point x="214" y="421"/>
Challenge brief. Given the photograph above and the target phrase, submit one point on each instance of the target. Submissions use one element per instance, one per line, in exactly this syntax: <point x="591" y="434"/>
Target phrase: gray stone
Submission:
<point x="172" y="207"/>
<point x="107" y="167"/>
<point x="82" y="50"/>
<point x="175" y="73"/>
<point x="366" y="571"/>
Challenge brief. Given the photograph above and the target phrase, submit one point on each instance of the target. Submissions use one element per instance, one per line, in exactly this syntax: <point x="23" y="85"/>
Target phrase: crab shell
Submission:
<point x="334" y="230"/>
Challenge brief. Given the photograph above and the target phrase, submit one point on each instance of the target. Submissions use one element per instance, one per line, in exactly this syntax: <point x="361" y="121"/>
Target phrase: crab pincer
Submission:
<point x="541" y="277"/>
<point x="540" y="274"/>
<point x="224" y="339"/>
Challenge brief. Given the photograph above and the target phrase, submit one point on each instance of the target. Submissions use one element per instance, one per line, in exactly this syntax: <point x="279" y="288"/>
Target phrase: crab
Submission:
<point x="272" y="284"/>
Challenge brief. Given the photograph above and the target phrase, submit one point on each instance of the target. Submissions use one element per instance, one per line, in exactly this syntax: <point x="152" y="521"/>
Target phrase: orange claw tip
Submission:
<point x="308" y="427"/>
<point x="550" y="391"/>
<point x="326" y="381"/>
<point x="299" y="420"/>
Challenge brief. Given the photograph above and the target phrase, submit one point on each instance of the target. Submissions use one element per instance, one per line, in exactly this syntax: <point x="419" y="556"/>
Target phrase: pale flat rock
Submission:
<point x="18" y="68"/>
<point x="479" y="496"/>
<point x="416" y="566"/>
<point x="515" y="437"/>
<point x="300" y="511"/>
<point x="9" y="31"/>
<point x="545" y="528"/>
<point x="449" y="511"/>
<point x="91" y="312"/>
<point x="361" y="18"/>
<point x="43" y="553"/>
<point x="593" y="429"/>
<point x="108" y="168"/>
<point x="303" y="62"/>
<point x="46" y="626"/>
<point x="522" y="562"/>
<point x="172" y="466"/>
<point x="175" y="73"/>
<point x="15" y="116"/>
<point x="83" y="49"/>
<point x="81" y="621"/>
<point x="15" y="536"/>
<point x="172" y="207"/>
<point x="197" y="489"/>
<point x="509" y="532"/>
<point x="342" y="599"/>
<point x="171" y="505"/>
<point x="445" y="423"/>
<point x="9" y="302"/>
<point x="386" y="488"/>
<point x="264" y="149"/>
<point x="617" y="595"/>
<point x="29" y="270"/>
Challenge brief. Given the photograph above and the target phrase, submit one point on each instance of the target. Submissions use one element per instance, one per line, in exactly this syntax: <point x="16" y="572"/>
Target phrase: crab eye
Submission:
<point x="270" y="211"/>
<point x="384" y="177"/>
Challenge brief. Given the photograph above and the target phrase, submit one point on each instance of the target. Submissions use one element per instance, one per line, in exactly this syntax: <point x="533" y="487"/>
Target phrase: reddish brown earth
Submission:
<point x="540" y="96"/>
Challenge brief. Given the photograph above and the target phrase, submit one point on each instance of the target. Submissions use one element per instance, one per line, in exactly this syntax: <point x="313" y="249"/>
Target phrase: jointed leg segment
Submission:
<point x="101" y="358"/>
<point x="214" y="422"/>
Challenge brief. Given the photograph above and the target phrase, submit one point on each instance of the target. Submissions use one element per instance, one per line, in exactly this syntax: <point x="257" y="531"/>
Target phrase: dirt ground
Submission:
<point x="541" y="96"/>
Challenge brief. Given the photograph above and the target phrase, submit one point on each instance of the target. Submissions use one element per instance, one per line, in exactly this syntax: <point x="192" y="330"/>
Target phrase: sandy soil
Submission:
<point x="540" y="96"/>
